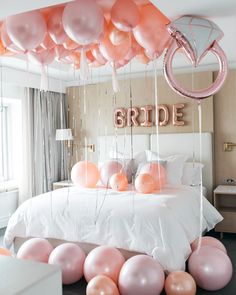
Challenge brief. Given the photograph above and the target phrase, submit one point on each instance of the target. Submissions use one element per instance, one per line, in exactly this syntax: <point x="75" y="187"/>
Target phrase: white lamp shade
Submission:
<point x="64" y="134"/>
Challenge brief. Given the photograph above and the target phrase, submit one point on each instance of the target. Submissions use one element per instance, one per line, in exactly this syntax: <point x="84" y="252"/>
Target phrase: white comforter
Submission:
<point x="161" y="225"/>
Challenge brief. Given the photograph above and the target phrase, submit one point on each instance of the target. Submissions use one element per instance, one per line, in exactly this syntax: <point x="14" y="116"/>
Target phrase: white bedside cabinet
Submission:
<point x="24" y="277"/>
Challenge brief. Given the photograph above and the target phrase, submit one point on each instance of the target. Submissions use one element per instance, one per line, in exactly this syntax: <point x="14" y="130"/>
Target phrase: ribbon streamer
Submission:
<point x="115" y="82"/>
<point x="44" y="79"/>
<point x="84" y="68"/>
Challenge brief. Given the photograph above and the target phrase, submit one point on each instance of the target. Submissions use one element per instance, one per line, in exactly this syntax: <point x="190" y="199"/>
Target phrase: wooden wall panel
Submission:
<point x="91" y="107"/>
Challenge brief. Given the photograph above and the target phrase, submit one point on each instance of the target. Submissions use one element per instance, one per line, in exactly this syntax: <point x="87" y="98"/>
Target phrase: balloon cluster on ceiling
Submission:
<point x="104" y="30"/>
<point x="97" y="32"/>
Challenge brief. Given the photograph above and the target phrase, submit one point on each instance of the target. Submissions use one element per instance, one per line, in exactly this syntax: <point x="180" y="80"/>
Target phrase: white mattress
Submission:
<point x="161" y="225"/>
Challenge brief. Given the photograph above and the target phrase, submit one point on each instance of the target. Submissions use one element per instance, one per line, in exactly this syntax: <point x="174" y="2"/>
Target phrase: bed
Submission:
<point x="161" y="224"/>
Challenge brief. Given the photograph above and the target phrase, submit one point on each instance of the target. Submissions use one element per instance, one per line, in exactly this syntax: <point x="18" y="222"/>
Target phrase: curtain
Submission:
<point x="44" y="160"/>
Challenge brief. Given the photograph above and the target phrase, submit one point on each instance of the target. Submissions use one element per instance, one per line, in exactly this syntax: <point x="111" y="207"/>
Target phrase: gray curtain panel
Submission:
<point x="49" y="157"/>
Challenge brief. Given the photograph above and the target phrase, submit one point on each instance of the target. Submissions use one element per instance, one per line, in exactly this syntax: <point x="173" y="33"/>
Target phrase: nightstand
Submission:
<point x="225" y="203"/>
<point x="61" y="184"/>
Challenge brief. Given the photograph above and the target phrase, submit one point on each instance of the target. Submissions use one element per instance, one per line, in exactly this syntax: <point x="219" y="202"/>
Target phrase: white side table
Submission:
<point x="61" y="184"/>
<point x="225" y="203"/>
<point x="24" y="277"/>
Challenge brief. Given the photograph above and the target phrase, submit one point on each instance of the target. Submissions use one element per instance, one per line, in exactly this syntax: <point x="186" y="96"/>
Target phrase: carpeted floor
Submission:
<point x="229" y="241"/>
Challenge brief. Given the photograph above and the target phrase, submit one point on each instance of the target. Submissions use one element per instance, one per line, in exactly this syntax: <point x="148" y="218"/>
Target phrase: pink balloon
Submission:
<point x="103" y="260"/>
<point x="141" y="275"/>
<point x="151" y="32"/>
<point x="85" y="174"/>
<point x="36" y="249"/>
<point x="55" y="26"/>
<point x="83" y="21"/>
<point x="7" y="42"/>
<point x="134" y="50"/>
<point x="211" y="268"/>
<point x="125" y="15"/>
<point x="119" y="182"/>
<point x="106" y="5"/>
<point x="71" y="260"/>
<point x="26" y="30"/>
<point x="114" y="53"/>
<point x="102" y="285"/>
<point x="145" y="183"/>
<point x="142" y="2"/>
<point x="209" y="241"/>
<point x="44" y="57"/>
<point x="107" y="170"/>
<point x="97" y="54"/>
<point x="47" y="42"/>
<point x="157" y="172"/>
<point x="61" y="52"/>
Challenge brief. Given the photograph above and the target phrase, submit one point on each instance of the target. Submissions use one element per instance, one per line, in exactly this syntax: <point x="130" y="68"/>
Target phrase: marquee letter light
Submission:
<point x="120" y="118"/>
<point x="163" y="108"/>
<point x="147" y="116"/>
<point x="176" y="114"/>
<point x="132" y="115"/>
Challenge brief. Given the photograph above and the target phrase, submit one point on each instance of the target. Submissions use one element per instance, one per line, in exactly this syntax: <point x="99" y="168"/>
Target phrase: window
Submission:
<point x="10" y="140"/>
<point x="4" y="144"/>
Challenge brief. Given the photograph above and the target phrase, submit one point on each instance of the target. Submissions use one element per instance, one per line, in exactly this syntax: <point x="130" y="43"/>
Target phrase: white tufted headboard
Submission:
<point x="169" y="144"/>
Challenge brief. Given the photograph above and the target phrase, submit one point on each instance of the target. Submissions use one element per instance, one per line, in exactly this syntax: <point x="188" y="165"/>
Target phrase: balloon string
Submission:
<point x="84" y="69"/>
<point x="157" y="119"/>
<point x="44" y="80"/>
<point x="115" y="83"/>
<point x="201" y="186"/>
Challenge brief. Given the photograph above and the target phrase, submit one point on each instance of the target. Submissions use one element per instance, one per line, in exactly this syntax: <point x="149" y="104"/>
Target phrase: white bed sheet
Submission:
<point x="161" y="225"/>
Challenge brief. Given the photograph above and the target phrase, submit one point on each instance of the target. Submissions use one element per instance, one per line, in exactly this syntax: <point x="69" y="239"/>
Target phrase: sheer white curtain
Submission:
<point x="44" y="160"/>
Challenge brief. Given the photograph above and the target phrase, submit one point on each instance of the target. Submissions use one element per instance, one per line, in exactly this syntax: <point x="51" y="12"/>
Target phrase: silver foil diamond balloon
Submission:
<point x="196" y="35"/>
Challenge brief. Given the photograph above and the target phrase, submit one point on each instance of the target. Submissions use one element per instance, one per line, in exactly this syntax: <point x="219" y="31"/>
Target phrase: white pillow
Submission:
<point x="192" y="173"/>
<point x="174" y="166"/>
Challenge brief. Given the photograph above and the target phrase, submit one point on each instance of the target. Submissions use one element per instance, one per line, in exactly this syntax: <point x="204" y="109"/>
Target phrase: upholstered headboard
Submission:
<point x="169" y="144"/>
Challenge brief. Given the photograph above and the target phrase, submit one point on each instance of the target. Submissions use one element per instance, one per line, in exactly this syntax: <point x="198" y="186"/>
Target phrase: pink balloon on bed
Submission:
<point x="158" y="173"/>
<point x="141" y="275"/>
<point x="107" y="170"/>
<point x="103" y="260"/>
<point x="71" y="259"/>
<point x="36" y="249"/>
<point x="144" y="183"/>
<point x="209" y="241"/>
<point x="85" y="174"/>
<point x="211" y="268"/>
<point x="119" y="182"/>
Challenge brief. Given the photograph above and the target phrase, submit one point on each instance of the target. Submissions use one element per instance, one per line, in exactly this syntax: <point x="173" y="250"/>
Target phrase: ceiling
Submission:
<point x="221" y="12"/>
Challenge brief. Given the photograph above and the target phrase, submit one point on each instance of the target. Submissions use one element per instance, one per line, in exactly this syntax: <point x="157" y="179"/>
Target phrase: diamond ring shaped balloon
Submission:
<point x="197" y="36"/>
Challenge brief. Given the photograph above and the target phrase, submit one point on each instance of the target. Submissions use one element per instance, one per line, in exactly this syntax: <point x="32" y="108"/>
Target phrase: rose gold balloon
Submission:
<point x="102" y="285"/>
<point x="85" y="174"/>
<point x="71" y="259"/>
<point x="103" y="260"/>
<point x="180" y="283"/>
<point x="142" y="58"/>
<point x="108" y="169"/>
<point x="116" y="36"/>
<point x="47" y="42"/>
<point x="7" y="42"/>
<point x="26" y="30"/>
<point x="83" y="21"/>
<point x="112" y="52"/>
<point x="158" y="173"/>
<point x="142" y="2"/>
<point x="119" y="182"/>
<point x="145" y="184"/>
<point x="5" y="252"/>
<point x="209" y="241"/>
<point x="70" y="44"/>
<point x="125" y="15"/>
<point x="44" y="57"/>
<point x="97" y="54"/>
<point x="36" y="249"/>
<point x="55" y="26"/>
<point x="106" y="5"/>
<point x="211" y="268"/>
<point x="151" y="32"/>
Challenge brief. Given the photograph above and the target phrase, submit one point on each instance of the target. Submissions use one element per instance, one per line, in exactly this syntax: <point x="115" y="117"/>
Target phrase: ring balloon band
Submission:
<point x="196" y="94"/>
